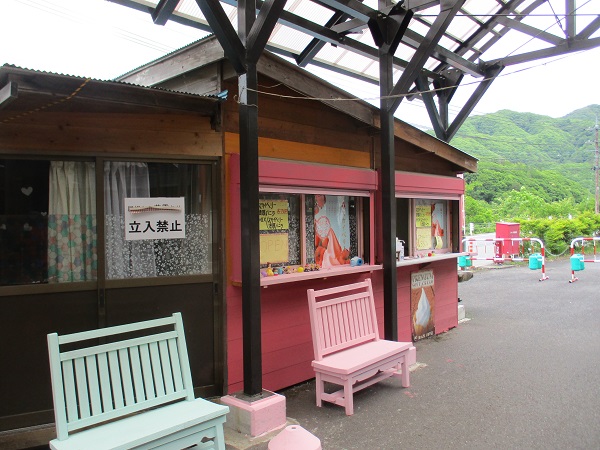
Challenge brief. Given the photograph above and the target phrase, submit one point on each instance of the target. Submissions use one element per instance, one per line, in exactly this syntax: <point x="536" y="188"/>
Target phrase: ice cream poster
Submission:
<point x="422" y="304"/>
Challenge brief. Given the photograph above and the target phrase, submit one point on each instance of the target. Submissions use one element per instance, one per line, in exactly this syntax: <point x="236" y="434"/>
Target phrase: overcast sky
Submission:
<point x="99" y="39"/>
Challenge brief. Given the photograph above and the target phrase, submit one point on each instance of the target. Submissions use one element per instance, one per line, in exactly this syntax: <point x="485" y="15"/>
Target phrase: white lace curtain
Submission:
<point x="125" y="259"/>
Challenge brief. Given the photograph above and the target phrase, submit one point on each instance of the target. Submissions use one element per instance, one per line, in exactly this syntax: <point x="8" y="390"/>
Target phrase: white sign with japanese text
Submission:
<point x="154" y="218"/>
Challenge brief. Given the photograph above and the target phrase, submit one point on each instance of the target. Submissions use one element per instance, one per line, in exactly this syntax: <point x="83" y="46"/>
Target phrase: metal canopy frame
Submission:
<point x="405" y="47"/>
<point x="446" y="42"/>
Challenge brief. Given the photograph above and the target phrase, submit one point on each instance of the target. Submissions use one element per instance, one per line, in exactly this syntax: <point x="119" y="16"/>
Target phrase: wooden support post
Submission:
<point x="251" y="310"/>
<point x="388" y="198"/>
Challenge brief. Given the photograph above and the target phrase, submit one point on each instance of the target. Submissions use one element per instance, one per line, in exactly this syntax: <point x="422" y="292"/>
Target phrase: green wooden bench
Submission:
<point x="131" y="389"/>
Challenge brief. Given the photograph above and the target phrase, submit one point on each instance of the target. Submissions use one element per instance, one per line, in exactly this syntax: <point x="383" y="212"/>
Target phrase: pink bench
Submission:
<point x="348" y="351"/>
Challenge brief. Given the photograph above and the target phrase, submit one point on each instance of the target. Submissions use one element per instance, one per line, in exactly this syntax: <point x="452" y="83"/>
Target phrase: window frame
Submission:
<point x="413" y="228"/>
<point x="360" y="223"/>
<point x="101" y="281"/>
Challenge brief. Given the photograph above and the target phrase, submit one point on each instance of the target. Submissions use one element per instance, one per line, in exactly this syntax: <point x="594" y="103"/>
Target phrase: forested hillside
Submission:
<point x="530" y="166"/>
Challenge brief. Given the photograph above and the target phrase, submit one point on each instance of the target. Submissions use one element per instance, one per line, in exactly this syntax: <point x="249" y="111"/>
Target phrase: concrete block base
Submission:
<point x="412" y="356"/>
<point x="255" y="415"/>
<point x="461" y="312"/>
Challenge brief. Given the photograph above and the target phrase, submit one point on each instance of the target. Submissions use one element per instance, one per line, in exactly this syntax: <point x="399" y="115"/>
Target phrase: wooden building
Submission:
<point x="175" y="122"/>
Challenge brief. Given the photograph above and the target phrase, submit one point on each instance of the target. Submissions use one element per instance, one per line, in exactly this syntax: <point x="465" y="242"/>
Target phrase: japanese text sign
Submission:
<point x="423" y="215"/>
<point x="273" y="215"/>
<point x="154" y="218"/>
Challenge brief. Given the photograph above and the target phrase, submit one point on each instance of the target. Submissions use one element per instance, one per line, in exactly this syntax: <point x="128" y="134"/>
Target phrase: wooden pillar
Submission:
<point x="248" y="116"/>
<point x="251" y="310"/>
<point x="388" y="197"/>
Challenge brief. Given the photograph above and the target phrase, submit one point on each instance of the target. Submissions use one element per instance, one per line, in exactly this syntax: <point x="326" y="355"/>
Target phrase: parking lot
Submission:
<point x="521" y="372"/>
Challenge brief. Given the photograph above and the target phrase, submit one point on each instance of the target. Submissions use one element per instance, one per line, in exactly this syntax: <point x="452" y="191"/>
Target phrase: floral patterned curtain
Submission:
<point x="72" y="222"/>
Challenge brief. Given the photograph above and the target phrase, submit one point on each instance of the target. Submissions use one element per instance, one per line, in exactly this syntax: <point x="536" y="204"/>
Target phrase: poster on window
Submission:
<point x="438" y="220"/>
<point x="422" y="304"/>
<point x="274" y="225"/>
<point x="274" y="248"/>
<point x="154" y="218"/>
<point x="273" y="215"/>
<point x="332" y="230"/>
<point x="423" y="215"/>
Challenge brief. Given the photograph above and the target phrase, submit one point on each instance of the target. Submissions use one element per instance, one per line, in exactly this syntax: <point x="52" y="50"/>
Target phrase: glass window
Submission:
<point x="279" y="227"/>
<point x="431" y="225"/>
<point x="47" y="221"/>
<point x="309" y="229"/>
<point x="336" y="237"/>
<point x="169" y="188"/>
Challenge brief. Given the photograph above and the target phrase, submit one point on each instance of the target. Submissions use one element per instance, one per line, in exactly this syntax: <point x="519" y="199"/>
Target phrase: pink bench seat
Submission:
<point x="347" y="348"/>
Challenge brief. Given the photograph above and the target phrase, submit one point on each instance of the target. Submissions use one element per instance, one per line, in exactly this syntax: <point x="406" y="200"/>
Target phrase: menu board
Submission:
<point x="274" y="248"/>
<point x="274" y="224"/>
<point x="423" y="216"/>
<point x="423" y="238"/>
<point x="273" y="215"/>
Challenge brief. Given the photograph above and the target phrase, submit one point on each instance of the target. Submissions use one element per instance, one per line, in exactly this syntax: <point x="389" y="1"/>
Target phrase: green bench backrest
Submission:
<point x="95" y="384"/>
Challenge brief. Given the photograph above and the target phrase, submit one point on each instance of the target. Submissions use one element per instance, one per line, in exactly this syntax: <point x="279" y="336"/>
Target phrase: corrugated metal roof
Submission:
<point x="7" y="68"/>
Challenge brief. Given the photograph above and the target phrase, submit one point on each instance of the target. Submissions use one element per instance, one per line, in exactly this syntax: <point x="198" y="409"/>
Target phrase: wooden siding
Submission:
<point x="203" y="81"/>
<point x="296" y="151"/>
<point x="134" y="134"/>
<point x="301" y="121"/>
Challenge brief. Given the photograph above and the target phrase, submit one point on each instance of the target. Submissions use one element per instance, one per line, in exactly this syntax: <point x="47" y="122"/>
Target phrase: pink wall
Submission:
<point x="286" y="338"/>
<point x="419" y="183"/>
<point x="287" y="342"/>
<point x="445" y="274"/>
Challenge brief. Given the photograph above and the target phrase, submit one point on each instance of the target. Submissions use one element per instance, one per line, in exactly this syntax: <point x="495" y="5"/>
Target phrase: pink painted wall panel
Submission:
<point x="407" y="182"/>
<point x="446" y="295"/>
<point x="286" y="337"/>
<point x="287" y="340"/>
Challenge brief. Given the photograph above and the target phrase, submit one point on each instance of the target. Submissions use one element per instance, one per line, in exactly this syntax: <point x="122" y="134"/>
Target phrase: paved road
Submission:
<point x="522" y="373"/>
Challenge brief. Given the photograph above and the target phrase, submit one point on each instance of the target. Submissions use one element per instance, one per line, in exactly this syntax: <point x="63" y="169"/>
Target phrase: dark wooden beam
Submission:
<point x="433" y="36"/>
<point x="570" y="17"/>
<point x="530" y="30"/>
<point x="262" y="28"/>
<point x="562" y="49"/>
<point x="434" y="116"/>
<point x="590" y="29"/>
<point x="192" y="23"/>
<point x="163" y="10"/>
<point x="491" y="75"/>
<point x="311" y="50"/>
<point x="222" y="28"/>
<point x="388" y="199"/>
<point x="249" y="192"/>
<point x="353" y="8"/>
<point x="330" y="36"/>
<point x="387" y="34"/>
<point x="418" y="5"/>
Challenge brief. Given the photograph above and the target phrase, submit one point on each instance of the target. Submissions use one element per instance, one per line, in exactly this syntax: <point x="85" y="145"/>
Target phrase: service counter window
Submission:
<point x="426" y="226"/>
<point x="309" y="232"/>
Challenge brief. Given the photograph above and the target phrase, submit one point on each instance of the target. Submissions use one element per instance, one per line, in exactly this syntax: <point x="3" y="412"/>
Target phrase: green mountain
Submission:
<point x="552" y="158"/>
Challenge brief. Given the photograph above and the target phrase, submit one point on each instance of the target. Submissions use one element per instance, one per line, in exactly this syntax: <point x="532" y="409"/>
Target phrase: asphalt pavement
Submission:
<point x="521" y="372"/>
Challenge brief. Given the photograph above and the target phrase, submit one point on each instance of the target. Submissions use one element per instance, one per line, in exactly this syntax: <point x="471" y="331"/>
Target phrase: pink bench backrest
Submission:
<point x="342" y="317"/>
